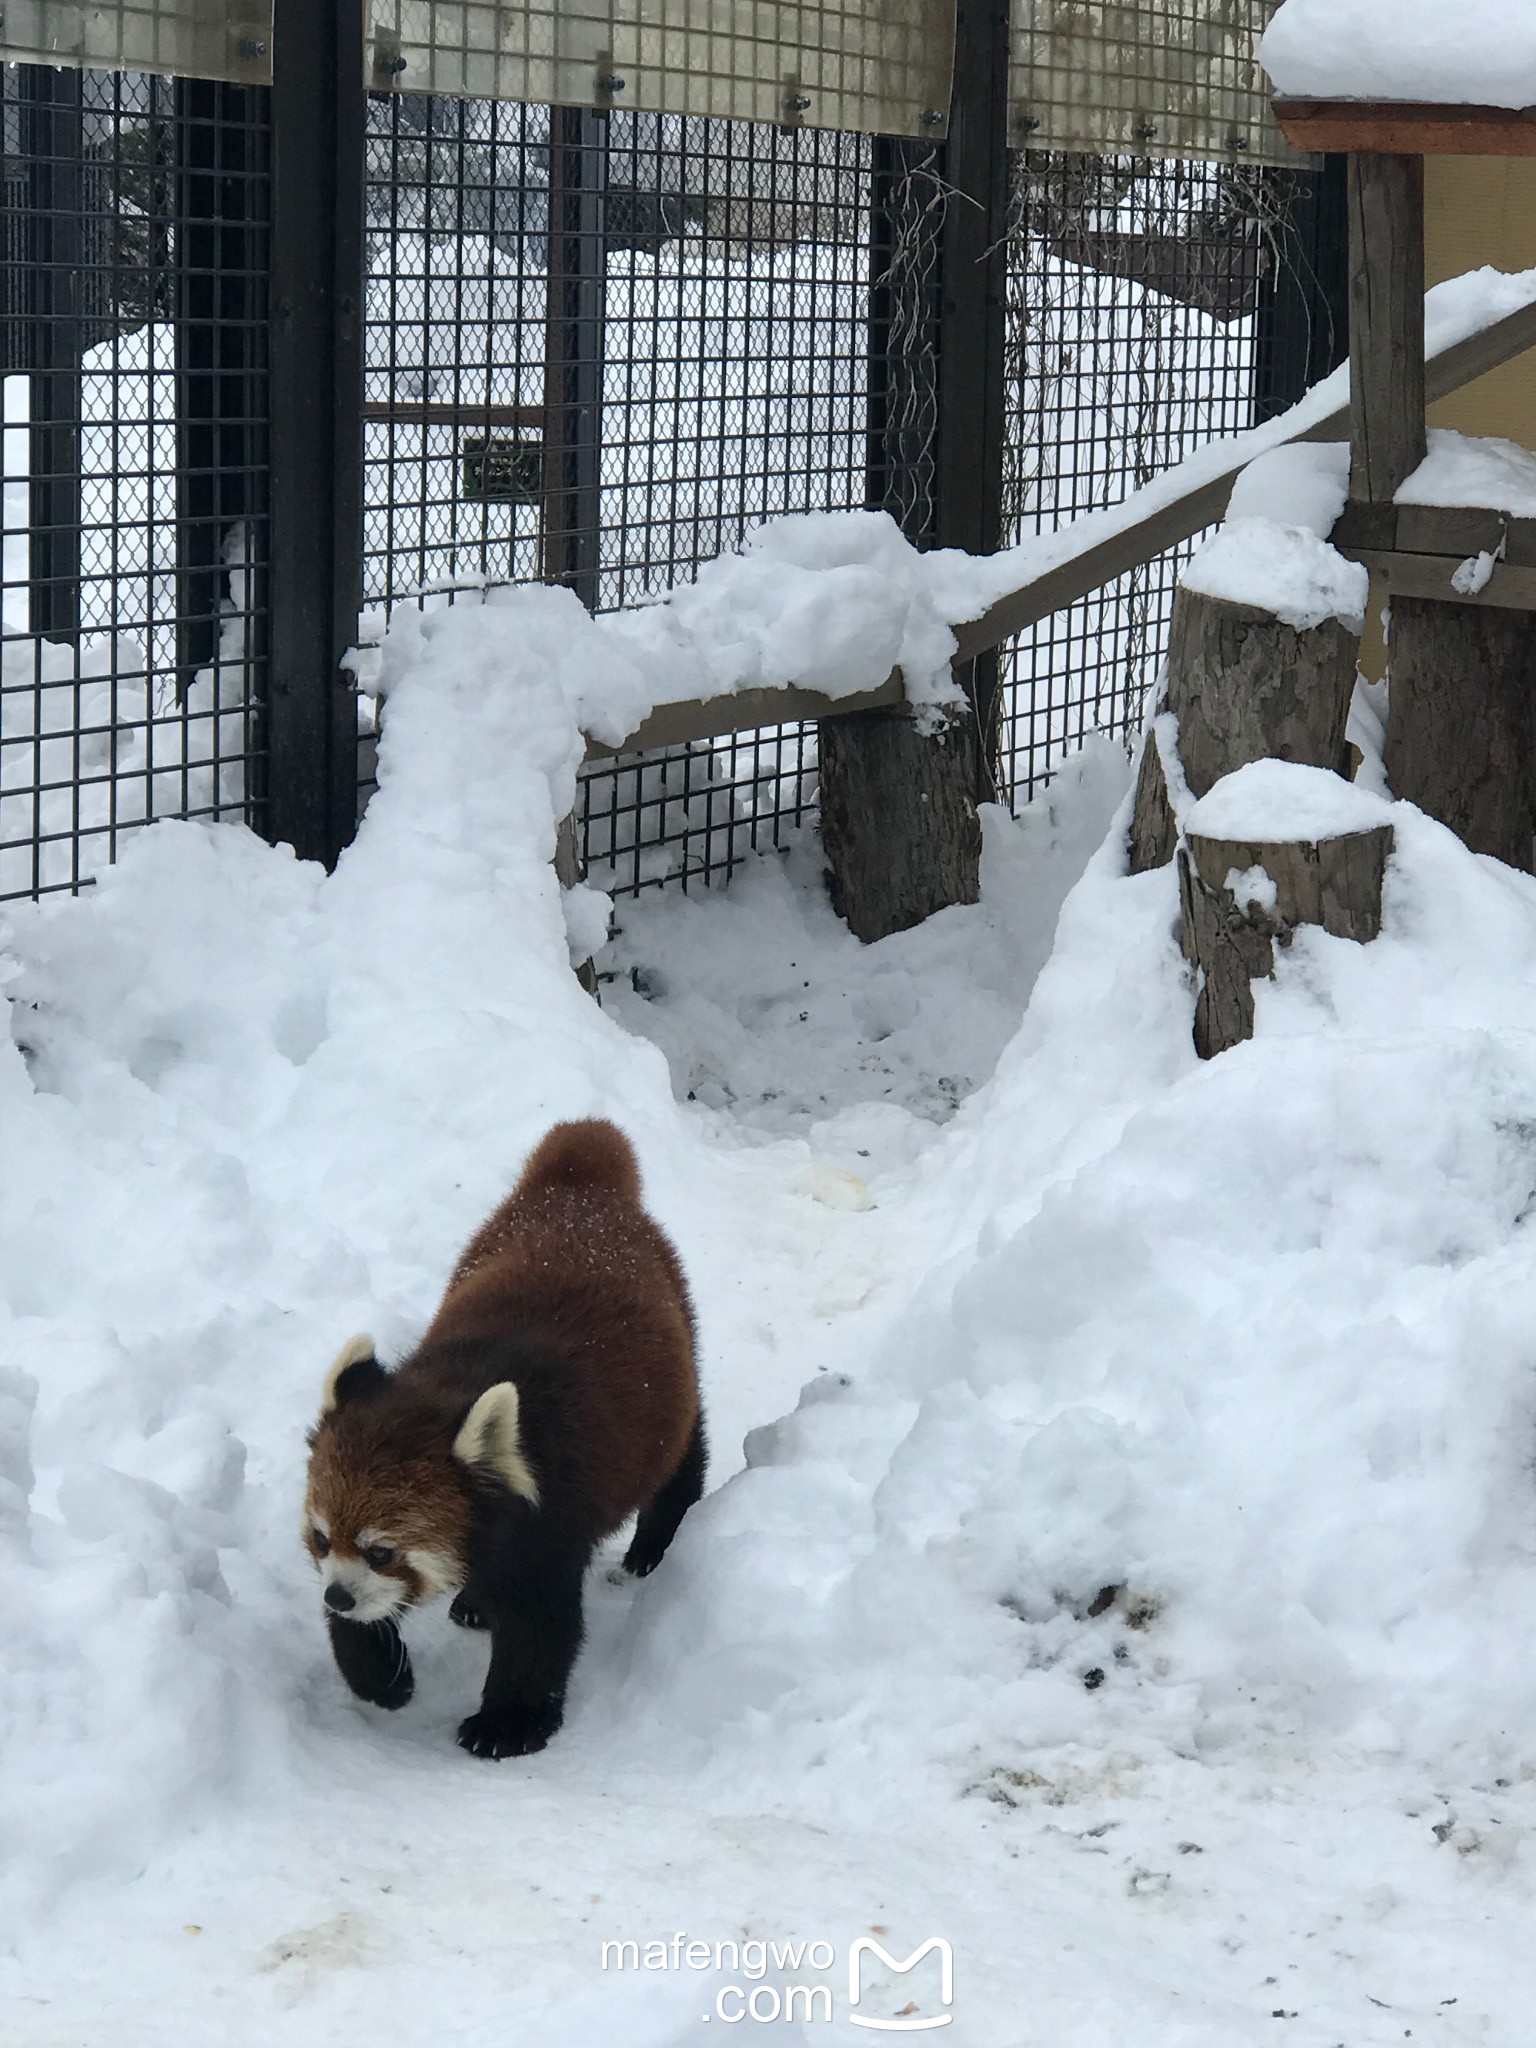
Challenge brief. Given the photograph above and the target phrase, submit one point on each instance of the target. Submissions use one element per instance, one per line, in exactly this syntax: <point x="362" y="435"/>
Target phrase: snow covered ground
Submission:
<point x="1128" y="1571"/>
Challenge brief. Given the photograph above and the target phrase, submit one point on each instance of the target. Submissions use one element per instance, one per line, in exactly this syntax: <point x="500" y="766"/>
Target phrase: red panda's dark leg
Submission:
<point x="658" y="1521"/>
<point x="371" y="1656"/>
<point x="536" y="1630"/>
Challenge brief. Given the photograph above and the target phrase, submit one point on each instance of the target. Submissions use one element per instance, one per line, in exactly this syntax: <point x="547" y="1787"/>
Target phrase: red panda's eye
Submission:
<point x="379" y="1555"/>
<point x="321" y="1541"/>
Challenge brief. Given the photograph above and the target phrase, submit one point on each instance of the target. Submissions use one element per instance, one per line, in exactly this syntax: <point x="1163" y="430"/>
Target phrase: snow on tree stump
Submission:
<point x="1269" y="849"/>
<point x="1245" y="684"/>
<point x="1461" y="721"/>
<point x="899" y="825"/>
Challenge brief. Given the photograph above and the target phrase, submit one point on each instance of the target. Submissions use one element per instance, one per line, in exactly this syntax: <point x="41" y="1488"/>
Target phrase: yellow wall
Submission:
<point x="1481" y="209"/>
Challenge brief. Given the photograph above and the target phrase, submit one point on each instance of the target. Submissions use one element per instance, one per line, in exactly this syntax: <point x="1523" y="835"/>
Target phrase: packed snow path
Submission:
<point x="1248" y="1344"/>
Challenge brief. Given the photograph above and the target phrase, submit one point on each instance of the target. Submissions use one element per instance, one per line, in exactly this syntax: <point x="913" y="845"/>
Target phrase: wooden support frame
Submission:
<point x="1388" y="434"/>
<point x="1407" y="127"/>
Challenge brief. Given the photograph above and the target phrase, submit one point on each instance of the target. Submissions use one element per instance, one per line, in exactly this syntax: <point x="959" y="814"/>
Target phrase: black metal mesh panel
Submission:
<point x="133" y="462"/>
<point x="735" y="388"/>
<point x="457" y="216"/>
<point x="1132" y="323"/>
<point x="600" y="348"/>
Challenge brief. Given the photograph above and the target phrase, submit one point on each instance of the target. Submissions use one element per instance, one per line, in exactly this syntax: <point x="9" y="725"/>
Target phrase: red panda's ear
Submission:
<point x="355" y="1372"/>
<point x="491" y="1439"/>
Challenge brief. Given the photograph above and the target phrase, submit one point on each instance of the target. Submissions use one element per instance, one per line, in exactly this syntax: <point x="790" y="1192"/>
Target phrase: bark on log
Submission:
<point x="1461" y="721"/>
<point x="1243" y="687"/>
<point x="1335" y="883"/>
<point x="1246" y="687"/>
<point x="1154" y="822"/>
<point x="899" y="825"/>
<point x="569" y="872"/>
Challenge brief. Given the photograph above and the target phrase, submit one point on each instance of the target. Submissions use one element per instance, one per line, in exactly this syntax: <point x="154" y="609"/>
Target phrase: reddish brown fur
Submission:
<point x="572" y="1292"/>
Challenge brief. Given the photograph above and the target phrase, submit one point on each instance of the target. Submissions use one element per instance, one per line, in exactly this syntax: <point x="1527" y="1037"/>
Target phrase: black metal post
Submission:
<point x="220" y="336"/>
<point x="573" y="353"/>
<point x="1303" y="308"/>
<point x="53" y="144"/>
<point x="972" y="333"/>
<point x="316" y="429"/>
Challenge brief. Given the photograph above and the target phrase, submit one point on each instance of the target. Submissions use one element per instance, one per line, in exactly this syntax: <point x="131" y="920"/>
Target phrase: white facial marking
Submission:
<point x="438" y="1572"/>
<point x="375" y="1595"/>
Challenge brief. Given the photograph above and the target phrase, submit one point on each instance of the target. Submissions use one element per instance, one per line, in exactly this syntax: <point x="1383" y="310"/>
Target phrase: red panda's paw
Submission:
<point x="371" y="1656"/>
<point x="465" y="1614"/>
<point x="511" y="1731"/>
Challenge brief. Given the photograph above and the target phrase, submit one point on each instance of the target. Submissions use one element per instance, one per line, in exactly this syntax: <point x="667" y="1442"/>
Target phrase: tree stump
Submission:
<point x="1243" y="687"/>
<point x="899" y="825"/>
<point x="1246" y="687"/>
<point x="1155" y="816"/>
<point x="570" y="872"/>
<point x="1233" y="917"/>
<point x="1461" y="721"/>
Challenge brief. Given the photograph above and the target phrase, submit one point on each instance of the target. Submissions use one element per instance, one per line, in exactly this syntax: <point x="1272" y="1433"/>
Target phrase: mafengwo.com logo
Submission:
<point x="875" y="1980"/>
<point x="867" y="1946"/>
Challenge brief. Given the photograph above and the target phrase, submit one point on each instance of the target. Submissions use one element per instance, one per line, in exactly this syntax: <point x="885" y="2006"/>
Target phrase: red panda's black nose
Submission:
<point x="338" y="1599"/>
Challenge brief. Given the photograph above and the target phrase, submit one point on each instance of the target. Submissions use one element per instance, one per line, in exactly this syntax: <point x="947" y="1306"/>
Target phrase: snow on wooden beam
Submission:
<point x="1152" y="522"/>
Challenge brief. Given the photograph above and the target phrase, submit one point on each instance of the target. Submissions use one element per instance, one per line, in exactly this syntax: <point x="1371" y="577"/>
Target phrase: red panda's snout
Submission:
<point x="372" y="1574"/>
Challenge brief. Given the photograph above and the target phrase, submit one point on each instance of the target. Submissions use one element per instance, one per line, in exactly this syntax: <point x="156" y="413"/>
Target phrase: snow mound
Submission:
<point x="1217" y="1435"/>
<point x="1164" y="1425"/>
<point x="1305" y="484"/>
<point x="1285" y="570"/>
<point x="1282" y="800"/>
<point x="1404" y="50"/>
<point x="1462" y="469"/>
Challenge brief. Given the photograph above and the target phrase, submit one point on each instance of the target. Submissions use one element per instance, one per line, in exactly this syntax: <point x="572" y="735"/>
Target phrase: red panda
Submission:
<point x="553" y="1395"/>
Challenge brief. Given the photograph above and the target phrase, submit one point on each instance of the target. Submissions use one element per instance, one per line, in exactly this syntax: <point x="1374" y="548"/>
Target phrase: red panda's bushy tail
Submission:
<point x="591" y="1154"/>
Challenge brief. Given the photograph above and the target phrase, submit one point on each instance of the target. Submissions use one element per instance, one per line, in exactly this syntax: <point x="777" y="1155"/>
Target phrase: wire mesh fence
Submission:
<point x="600" y="346"/>
<point x="1133" y="336"/>
<point x="599" y="350"/>
<point x="133" y="462"/>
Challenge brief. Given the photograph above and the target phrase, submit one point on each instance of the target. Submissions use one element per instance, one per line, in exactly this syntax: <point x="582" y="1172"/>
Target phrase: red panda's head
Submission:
<point x="387" y="1508"/>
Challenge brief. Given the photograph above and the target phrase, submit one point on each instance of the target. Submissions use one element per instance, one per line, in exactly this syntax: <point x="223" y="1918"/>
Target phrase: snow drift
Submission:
<point x="1156" y="1413"/>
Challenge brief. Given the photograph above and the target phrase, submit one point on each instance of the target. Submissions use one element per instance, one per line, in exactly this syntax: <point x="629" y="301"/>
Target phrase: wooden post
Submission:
<point x="898" y="804"/>
<point x="878" y="773"/>
<point x="1461" y="731"/>
<point x="1243" y="687"/>
<point x="1386" y="324"/>
<point x="1335" y="883"/>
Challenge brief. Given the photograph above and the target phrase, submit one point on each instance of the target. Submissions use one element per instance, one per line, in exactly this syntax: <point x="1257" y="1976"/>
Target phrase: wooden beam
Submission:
<point x="1406" y="128"/>
<point x="1509" y="588"/>
<point x="1165" y="525"/>
<point x="1388" y="436"/>
<point x="675" y="725"/>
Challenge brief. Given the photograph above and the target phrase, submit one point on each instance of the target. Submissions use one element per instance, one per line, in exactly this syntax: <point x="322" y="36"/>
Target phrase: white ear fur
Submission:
<point x="353" y="1352"/>
<point x="491" y="1436"/>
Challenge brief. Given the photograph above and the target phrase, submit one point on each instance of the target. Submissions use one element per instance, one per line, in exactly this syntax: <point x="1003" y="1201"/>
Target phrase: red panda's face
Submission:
<point x="385" y="1516"/>
<point x="373" y="1569"/>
